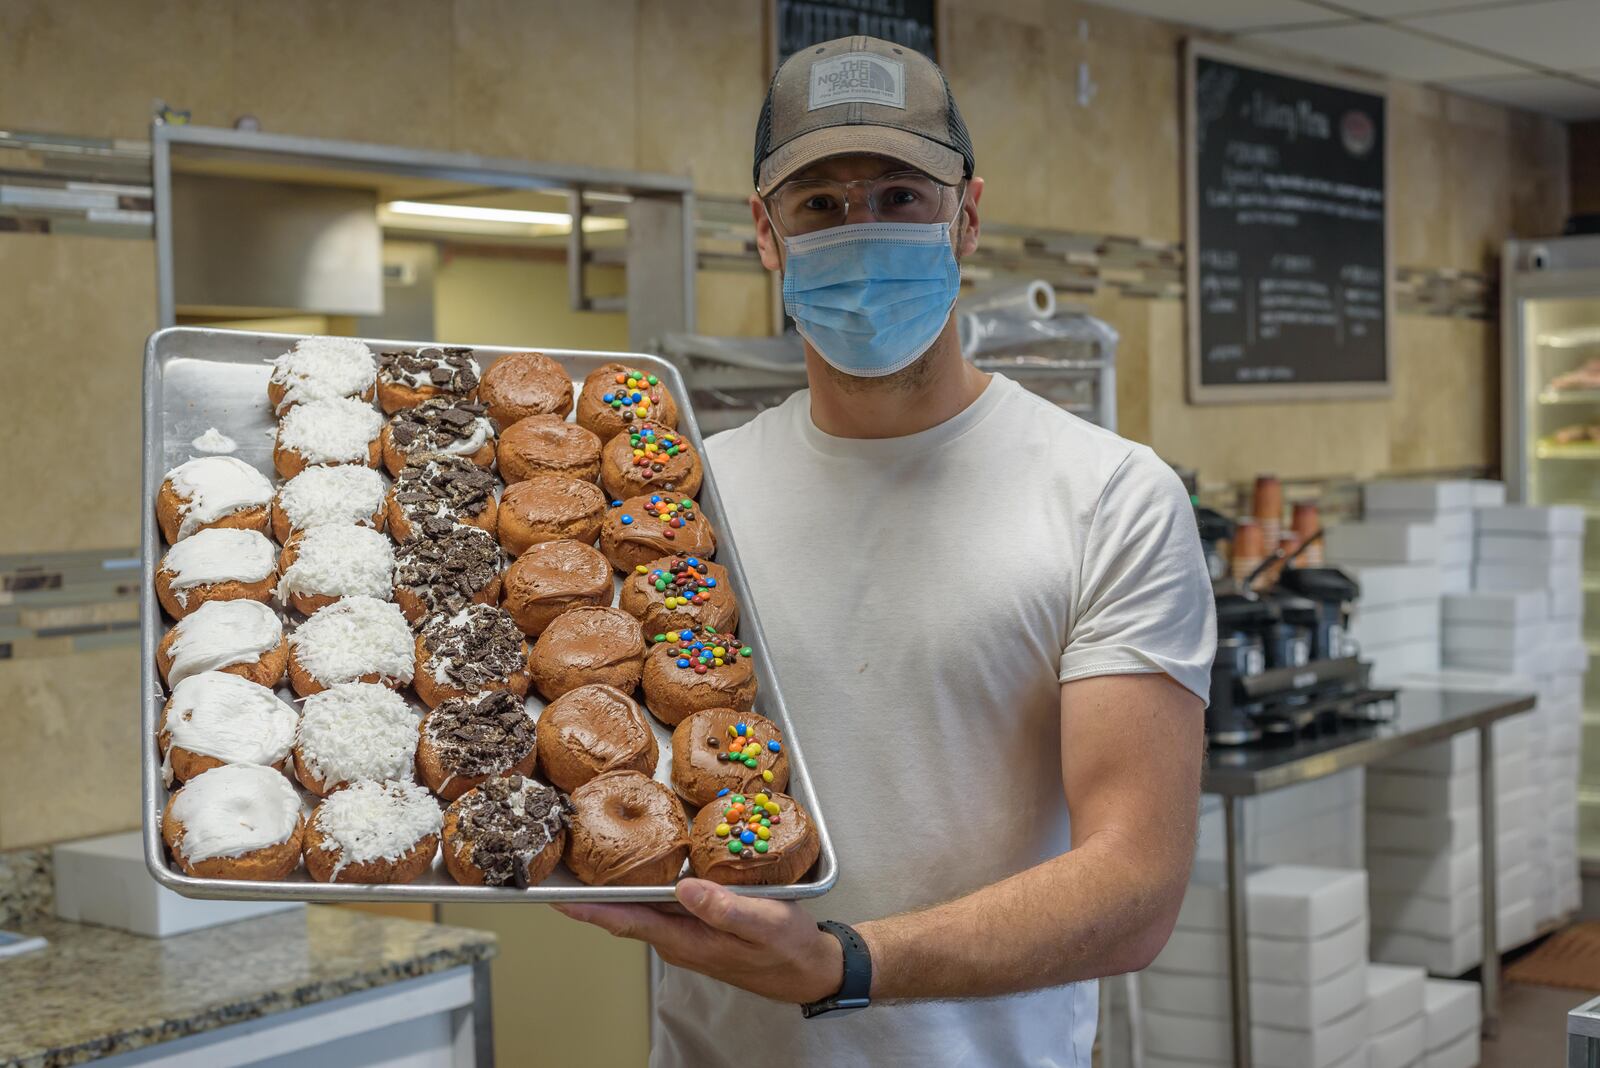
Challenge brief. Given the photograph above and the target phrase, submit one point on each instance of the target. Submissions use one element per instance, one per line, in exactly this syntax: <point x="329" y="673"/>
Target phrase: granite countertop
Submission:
<point x="95" y="991"/>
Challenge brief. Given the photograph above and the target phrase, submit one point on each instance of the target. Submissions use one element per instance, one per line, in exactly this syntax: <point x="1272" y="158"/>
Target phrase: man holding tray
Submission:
<point x="992" y="623"/>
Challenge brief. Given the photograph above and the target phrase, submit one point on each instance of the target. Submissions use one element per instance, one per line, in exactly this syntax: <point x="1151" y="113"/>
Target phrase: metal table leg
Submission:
<point x="482" y="1017"/>
<point x="1238" y="929"/>
<point x="1488" y="848"/>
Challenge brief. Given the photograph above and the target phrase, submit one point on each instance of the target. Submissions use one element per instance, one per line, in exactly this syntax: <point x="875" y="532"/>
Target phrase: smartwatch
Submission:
<point x="854" y="992"/>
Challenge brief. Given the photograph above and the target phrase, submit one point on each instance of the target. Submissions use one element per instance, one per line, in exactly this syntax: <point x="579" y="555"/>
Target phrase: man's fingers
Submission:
<point x="751" y="919"/>
<point x="624" y="921"/>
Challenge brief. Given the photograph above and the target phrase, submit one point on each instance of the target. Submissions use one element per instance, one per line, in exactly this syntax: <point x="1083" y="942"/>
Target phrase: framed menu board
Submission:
<point x="1287" y="242"/>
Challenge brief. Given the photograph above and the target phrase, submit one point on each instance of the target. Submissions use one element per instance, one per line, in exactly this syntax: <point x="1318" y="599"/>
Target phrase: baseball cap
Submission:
<point x="860" y="95"/>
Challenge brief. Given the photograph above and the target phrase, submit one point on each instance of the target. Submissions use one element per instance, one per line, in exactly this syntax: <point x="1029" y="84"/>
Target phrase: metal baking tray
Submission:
<point x="198" y="378"/>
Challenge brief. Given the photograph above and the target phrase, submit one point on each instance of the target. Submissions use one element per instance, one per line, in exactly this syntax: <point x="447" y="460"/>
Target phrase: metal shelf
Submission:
<point x="1546" y="451"/>
<point x="1570" y="396"/>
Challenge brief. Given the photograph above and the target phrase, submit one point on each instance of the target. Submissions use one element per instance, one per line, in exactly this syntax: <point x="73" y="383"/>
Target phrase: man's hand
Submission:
<point x="771" y="948"/>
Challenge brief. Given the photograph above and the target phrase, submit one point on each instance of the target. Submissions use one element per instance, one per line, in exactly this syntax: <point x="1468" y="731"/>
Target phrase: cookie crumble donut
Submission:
<point x="355" y="639"/>
<point x="592" y="730"/>
<point x="354" y="732"/>
<point x="649" y="458"/>
<point x="508" y="832"/>
<point x="237" y="821"/>
<point x="437" y="427"/>
<point x="433" y="496"/>
<point x="212" y="491"/>
<point x="323" y="564"/>
<point x="321" y="368"/>
<point x="445" y="573"/>
<point x="338" y="431"/>
<point x="214" y="718"/>
<point x="645" y="528"/>
<point x="549" y="508"/>
<point x="615" y="397"/>
<point x="216" y="564"/>
<point x="243" y="638"/>
<point x="696" y="669"/>
<point x="327" y="496"/>
<point x="468" y="740"/>
<point x="549" y="445"/>
<point x="552" y="577"/>
<point x="627" y="830"/>
<point x="761" y="840"/>
<point x="721" y="750"/>
<point x="521" y="384"/>
<point x="407" y="377"/>
<point x="479" y="648"/>
<point x="680" y="592"/>
<point x="373" y="832"/>
<point x="585" y="645"/>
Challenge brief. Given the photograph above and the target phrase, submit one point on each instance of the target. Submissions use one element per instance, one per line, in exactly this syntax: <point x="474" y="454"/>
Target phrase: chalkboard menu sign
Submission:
<point x="1287" y="250"/>
<point x="801" y="23"/>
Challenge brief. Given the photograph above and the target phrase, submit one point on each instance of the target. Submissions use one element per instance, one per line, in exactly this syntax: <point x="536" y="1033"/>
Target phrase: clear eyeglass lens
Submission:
<point x="808" y="206"/>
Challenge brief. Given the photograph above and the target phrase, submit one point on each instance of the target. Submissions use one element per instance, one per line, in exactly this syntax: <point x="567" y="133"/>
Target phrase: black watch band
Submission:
<point x="856" y="989"/>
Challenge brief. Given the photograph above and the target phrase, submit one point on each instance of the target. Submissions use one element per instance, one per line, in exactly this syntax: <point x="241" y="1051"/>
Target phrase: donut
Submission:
<point x="627" y="830"/>
<point x="509" y="831"/>
<point x="407" y="377"/>
<point x="321" y="368"/>
<point x="720" y="749"/>
<point x="649" y="458"/>
<point x="521" y="384"/>
<point x="680" y="592"/>
<point x="551" y="577"/>
<point x="641" y="529"/>
<point x="216" y="564"/>
<point x="548" y="445"/>
<point x="592" y="730"/>
<point x="354" y="732"/>
<point x="355" y="639"/>
<point x="243" y="638"/>
<point x="479" y="648"/>
<point x="324" y="496"/>
<point x="212" y="491"/>
<point x="373" y="832"/>
<point x="323" y="564"/>
<point x="468" y="740"/>
<point x="549" y="508"/>
<point x="764" y="839"/>
<point x="615" y="396"/>
<point x="439" y="493"/>
<point x="447" y="572"/>
<point x="237" y="821"/>
<point x="214" y="718"/>
<point x="437" y="427"/>
<point x="584" y="645"/>
<point x="694" y="669"/>
<point x="337" y="431"/>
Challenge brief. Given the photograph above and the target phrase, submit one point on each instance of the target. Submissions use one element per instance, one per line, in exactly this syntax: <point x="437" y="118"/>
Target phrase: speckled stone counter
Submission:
<point x="96" y="991"/>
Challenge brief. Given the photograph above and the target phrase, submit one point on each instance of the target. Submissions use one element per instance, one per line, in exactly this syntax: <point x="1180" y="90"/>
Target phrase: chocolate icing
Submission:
<point x="623" y="822"/>
<point x="434" y="425"/>
<point x="505" y="840"/>
<point x="672" y="692"/>
<point x="623" y="476"/>
<point x="550" y="444"/>
<point x="435" y="493"/>
<point x="644" y="601"/>
<point x="449" y="370"/>
<point x="552" y="576"/>
<point x="481" y="734"/>
<point x="587" y="645"/>
<point x="550" y="504"/>
<point x="445" y="570"/>
<point x="477" y="647"/>
<point x="645" y="538"/>
<point x="606" y="421"/>
<point x="592" y="730"/>
<point x="525" y="383"/>
<point x="700" y="746"/>
<point x="791" y="850"/>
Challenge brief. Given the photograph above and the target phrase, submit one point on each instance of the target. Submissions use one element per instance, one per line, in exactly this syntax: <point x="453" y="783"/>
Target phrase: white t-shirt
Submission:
<point x="923" y="599"/>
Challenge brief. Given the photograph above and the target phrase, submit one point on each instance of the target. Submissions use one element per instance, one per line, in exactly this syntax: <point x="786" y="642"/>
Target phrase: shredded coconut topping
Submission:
<point x="233" y="810"/>
<point x="376" y="821"/>
<point x="357" y="731"/>
<point x="213" y="441"/>
<point x="220" y="634"/>
<point x="231" y="718"/>
<point x="215" y="486"/>
<point x="219" y="554"/>
<point x="340" y="561"/>
<point x="319" y="496"/>
<point x="323" y="368"/>
<point x="353" y="637"/>
<point x="337" y="431"/>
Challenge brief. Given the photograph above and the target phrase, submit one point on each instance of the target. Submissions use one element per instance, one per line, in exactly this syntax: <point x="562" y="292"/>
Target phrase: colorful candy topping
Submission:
<point x="633" y="396"/>
<point x="743" y="749"/>
<point x="672" y="514"/>
<point x="747" y="823"/>
<point x="653" y="446"/>
<point x="683" y="583"/>
<point x="712" y="650"/>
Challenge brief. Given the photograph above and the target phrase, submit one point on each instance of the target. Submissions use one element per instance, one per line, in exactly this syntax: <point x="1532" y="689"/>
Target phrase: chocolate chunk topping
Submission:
<point x="482" y="734"/>
<point x="447" y="565"/>
<point x="436" y="493"/>
<point x="434" y="424"/>
<point x="509" y="820"/>
<point x="474" y="648"/>
<point x="450" y="370"/>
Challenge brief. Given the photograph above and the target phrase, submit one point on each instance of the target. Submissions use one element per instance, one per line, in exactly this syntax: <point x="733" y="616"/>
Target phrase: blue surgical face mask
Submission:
<point x="871" y="298"/>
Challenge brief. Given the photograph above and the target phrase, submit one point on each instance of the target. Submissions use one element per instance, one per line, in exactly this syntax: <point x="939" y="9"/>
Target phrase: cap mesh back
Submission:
<point x="763" y="133"/>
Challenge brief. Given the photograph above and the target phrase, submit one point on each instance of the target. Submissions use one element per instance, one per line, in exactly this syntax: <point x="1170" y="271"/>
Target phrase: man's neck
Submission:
<point x="937" y="387"/>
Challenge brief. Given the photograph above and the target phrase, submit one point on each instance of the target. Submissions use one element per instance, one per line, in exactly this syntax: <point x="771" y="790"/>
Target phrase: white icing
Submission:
<point x="321" y="495"/>
<point x="376" y="821"/>
<point x="353" y="637"/>
<point x="215" y="486"/>
<point x="482" y="431"/>
<point x="220" y="634"/>
<point x="340" y="561"/>
<point x="218" y="554"/>
<point x="228" y="717"/>
<point x="331" y="431"/>
<point x="213" y="441"/>
<point x="357" y="731"/>
<point x="324" y="368"/>
<point x="235" y="809"/>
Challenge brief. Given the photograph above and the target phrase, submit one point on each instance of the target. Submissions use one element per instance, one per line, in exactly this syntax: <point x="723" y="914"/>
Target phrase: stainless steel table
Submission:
<point x="1583" y="1035"/>
<point x="1425" y="716"/>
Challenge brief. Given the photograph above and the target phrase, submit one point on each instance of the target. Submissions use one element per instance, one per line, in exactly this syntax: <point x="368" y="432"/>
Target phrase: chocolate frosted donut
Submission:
<point x="649" y="458"/>
<point x="468" y="740"/>
<point x="525" y="383"/>
<point x="552" y="577"/>
<point x="586" y="645"/>
<point x="692" y="670"/>
<point x="435" y="495"/>
<point x="547" y="445"/>
<point x="645" y="528"/>
<point x="723" y="749"/>
<point x="593" y="730"/>
<point x="680" y="592"/>
<point x="549" y="508"/>
<point x="444" y="574"/>
<point x="615" y="396"/>
<point x="627" y="830"/>
<point x="508" y="832"/>
<point x="407" y="377"/>
<point x="478" y="649"/>
<point x="756" y="840"/>
<point x="438" y="427"/>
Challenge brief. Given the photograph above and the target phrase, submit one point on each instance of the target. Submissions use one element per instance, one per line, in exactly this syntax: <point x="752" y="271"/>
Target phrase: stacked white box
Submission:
<point x="1453" y="1013"/>
<point x="1395" y="622"/>
<point x="1395" y="1018"/>
<point x="1318" y="823"/>
<point x="1446" y="505"/>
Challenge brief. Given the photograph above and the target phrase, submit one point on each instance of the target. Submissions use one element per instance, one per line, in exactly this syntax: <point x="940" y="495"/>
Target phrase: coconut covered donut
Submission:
<point x="627" y="830"/>
<point x="356" y="639"/>
<point x="373" y="832"/>
<point x="585" y="645"/>
<point x="480" y="648"/>
<point x="469" y="740"/>
<point x="680" y="592"/>
<point x="694" y="669"/>
<point x="720" y="750"/>
<point x="508" y="832"/>
<point x="552" y="577"/>
<point x="407" y="377"/>
<point x="214" y="718"/>
<point x="243" y="638"/>
<point x="354" y="732"/>
<point x="433" y="496"/>
<point x="592" y="730"/>
<point x="212" y="491"/>
<point x="642" y="529"/>
<point x="547" y="445"/>
<point x="216" y="564"/>
<point x="760" y="839"/>
<point x="615" y="397"/>
<point x="237" y="821"/>
<point x="321" y="368"/>
<point x="445" y="573"/>
<point x="549" y="508"/>
<point x="438" y="427"/>
<point x="521" y="384"/>
<point x="323" y="564"/>
<point x="338" y="431"/>
<point x="343" y="495"/>
<point x="649" y="458"/>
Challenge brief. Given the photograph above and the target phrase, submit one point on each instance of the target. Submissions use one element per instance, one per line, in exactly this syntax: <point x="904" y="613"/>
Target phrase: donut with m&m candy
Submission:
<point x="616" y="396"/>
<point x="697" y="668"/>
<point x="761" y="839"/>
<point x="650" y="458"/>
<point x="680" y="591"/>
<point x="642" y="529"/>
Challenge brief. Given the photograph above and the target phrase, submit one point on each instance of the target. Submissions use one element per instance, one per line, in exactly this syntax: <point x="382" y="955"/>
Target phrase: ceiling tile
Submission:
<point x="1393" y="9"/>
<point x="1230" y="15"/>
<point x="1389" y="51"/>
<point x="1558" y="34"/>
<point x="1557" y="97"/>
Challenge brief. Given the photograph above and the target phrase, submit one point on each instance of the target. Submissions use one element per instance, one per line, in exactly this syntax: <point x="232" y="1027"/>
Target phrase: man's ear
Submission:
<point x="967" y="232"/>
<point x="766" y="240"/>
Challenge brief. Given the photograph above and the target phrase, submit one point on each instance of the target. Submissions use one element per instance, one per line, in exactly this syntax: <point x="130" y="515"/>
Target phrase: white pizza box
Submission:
<point x="1456" y="578"/>
<point x="1548" y="549"/>
<point x="1294" y="805"/>
<point x="1569" y="896"/>
<point x="1292" y="1006"/>
<point x="1523" y="575"/>
<point x="1517" y="926"/>
<point x="1504" y="608"/>
<point x="1465" y="635"/>
<point x="1566" y="602"/>
<point x="1405" y="832"/>
<point x="1400" y="1046"/>
<point x="1565" y="684"/>
<point x="1281" y="960"/>
<point x="1394" y="995"/>
<point x="1393" y="662"/>
<point x="1357" y="1059"/>
<point x="1453" y="1008"/>
<point x="1455" y="553"/>
<point x="1381" y="543"/>
<point x="1524" y="660"/>
<point x="1393" y="624"/>
<point x="1486" y="493"/>
<point x="1284" y="901"/>
<point x="1453" y="955"/>
<point x="1459" y="752"/>
<point x="1394" y="583"/>
<point x="1464" y="1052"/>
<point x="1417" y="792"/>
<point x="1531" y="519"/>
<point x="1570" y="657"/>
<point x="1209" y="1038"/>
<point x="1433" y="917"/>
<point x="1457" y="526"/>
<point x="1425" y="496"/>
<point x="1437" y="875"/>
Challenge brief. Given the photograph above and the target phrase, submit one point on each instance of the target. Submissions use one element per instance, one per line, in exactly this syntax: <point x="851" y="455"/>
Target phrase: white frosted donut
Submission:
<point x="376" y="821"/>
<point x="220" y="634"/>
<point x="319" y="496"/>
<point x="336" y="431"/>
<point x="215" y="486"/>
<point x="324" y="368"/>
<point x="353" y="637"/>
<point x="235" y="809"/>
<point x="218" y="554"/>
<point x="340" y="561"/>
<point x="219" y="715"/>
<point x="357" y="731"/>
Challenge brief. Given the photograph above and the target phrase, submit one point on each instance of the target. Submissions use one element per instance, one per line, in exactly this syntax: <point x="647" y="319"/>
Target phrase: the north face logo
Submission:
<point x="857" y="78"/>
